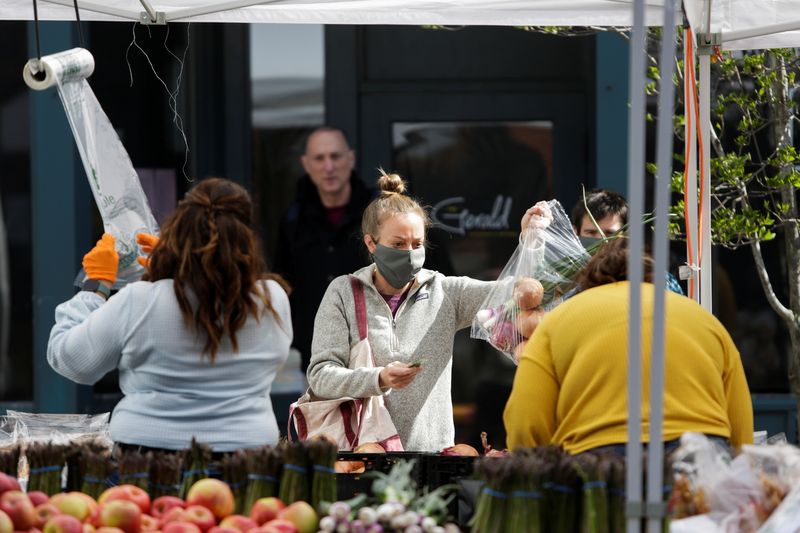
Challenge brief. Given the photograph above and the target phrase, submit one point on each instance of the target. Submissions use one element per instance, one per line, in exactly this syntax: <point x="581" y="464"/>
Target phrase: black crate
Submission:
<point x="349" y="485"/>
<point x="448" y="469"/>
<point x="443" y="469"/>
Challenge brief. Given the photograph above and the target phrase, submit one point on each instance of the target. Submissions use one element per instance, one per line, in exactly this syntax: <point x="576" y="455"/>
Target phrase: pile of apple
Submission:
<point x="208" y="508"/>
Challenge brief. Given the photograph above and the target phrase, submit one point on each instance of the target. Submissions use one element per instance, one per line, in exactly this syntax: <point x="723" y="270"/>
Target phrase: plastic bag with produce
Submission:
<point x="536" y="279"/>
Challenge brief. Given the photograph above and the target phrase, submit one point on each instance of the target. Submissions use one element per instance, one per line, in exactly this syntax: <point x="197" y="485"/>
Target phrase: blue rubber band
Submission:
<point x="137" y="475"/>
<point x="261" y="477"/>
<point x="526" y="494"/>
<point x="295" y="468"/>
<point x="616" y="492"/>
<point x="559" y="488"/>
<point x="43" y="469"/>
<point x="599" y="484"/>
<point x="93" y="480"/>
<point x="495" y="494"/>
<point x="165" y="487"/>
<point x="326" y="469"/>
<point x="189" y="473"/>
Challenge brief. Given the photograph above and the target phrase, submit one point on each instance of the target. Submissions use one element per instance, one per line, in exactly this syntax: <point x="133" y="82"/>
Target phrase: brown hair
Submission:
<point x="610" y="264"/>
<point x="207" y="247"/>
<point x="391" y="201"/>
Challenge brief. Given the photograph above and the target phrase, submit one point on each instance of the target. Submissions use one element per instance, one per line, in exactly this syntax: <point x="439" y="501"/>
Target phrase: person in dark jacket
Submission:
<point x="319" y="236"/>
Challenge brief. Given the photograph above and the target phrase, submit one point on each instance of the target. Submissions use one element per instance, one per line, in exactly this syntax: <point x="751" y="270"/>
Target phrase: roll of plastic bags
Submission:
<point x="115" y="185"/>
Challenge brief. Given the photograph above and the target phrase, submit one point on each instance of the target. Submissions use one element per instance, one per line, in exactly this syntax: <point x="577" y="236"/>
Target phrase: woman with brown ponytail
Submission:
<point x="198" y="343"/>
<point x="412" y="316"/>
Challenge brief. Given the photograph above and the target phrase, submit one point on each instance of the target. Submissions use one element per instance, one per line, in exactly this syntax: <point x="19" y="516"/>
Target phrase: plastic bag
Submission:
<point x="60" y="428"/>
<point x="739" y="494"/>
<point x="538" y="277"/>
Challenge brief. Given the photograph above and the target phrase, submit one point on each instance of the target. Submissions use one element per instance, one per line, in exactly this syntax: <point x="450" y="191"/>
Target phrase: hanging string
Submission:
<point x="172" y="101"/>
<point x="78" y="19"/>
<point x="36" y="27"/>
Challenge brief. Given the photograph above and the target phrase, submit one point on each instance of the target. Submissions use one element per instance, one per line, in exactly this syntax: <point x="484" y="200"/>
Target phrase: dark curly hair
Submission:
<point x="209" y="250"/>
<point x="610" y="264"/>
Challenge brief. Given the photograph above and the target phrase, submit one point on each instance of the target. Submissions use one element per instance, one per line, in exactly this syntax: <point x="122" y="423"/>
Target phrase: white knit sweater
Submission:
<point x="172" y="392"/>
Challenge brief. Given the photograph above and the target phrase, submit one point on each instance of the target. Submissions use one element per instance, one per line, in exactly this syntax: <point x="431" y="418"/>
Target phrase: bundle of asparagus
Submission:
<point x="594" y="470"/>
<point x="526" y="498"/>
<point x="323" y="485"/>
<point x="196" y="464"/>
<point x="263" y="468"/>
<point x="294" y="479"/>
<point x="134" y="469"/>
<point x="45" y="464"/>
<point x="9" y="459"/>
<point x="490" y="510"/>
<point x="234" y="473"/>
<point x="94" y="464"/>
<point x="165" y="473"/>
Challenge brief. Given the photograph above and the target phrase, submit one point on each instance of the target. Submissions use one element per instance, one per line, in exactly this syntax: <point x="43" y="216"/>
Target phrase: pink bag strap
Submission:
<point x="361" y="307"/>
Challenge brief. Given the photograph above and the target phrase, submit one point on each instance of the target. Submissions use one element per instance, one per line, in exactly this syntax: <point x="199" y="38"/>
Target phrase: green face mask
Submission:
<point x="398" y="266"/>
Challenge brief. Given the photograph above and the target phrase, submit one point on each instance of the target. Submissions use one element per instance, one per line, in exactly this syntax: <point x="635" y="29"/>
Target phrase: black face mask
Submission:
<point x="398" y="266"/>
<point x="590" y="242"/>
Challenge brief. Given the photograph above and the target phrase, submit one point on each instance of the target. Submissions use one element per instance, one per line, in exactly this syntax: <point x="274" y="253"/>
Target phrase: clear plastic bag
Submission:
<point x="538" y="277"/>
<point x="60" y="428"/>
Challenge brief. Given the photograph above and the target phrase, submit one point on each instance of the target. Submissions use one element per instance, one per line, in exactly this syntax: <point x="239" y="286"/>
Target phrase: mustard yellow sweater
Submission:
<point x="571" y="384"/>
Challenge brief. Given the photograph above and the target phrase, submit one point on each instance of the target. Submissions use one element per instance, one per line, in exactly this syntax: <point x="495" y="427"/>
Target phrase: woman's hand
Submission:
<point x="537" y="217"/>
<point x="147" y="243"/>
<point x="102" y="261"/>
<point x="397" y="375"/>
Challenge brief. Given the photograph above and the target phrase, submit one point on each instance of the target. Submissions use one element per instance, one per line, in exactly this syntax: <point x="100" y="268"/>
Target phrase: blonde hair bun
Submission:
<point x="391" y="183"/>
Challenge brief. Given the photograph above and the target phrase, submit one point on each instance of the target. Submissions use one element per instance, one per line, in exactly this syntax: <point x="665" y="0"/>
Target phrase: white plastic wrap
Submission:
<point x="115" y="185"/>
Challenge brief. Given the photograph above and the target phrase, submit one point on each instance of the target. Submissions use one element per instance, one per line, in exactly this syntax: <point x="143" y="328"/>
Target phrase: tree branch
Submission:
<point x="782" y="311"/>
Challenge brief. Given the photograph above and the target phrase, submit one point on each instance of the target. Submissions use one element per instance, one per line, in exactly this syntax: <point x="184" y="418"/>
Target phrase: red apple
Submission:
<point x="223" y="529"/>
<point x="162" y="504"/>
<point x="150" y="523"/>
<point x="63" y="523"/>
<point x="127" y="492"/>
<point x="180" y="527"/>
<point x="107" y="529"/>
<point x="45" y="512"/>
<point x="6" y="525"/>
<point x="240" y="522"/>
<point x="123" y="514"/>
<point x="73" y="504"/>
<point x="266" y="509"/>
<point x="277" y="526"/>
<point x="176" y="514"/>
<point x="212" y="494"/>
<point x="38" y="497"/>
<point x="19" y="509"/>
<point x="200" y="516"/>
<point x="302" y="515"/>
<point x="8" y="483"/>
<point x="88" y="528"/>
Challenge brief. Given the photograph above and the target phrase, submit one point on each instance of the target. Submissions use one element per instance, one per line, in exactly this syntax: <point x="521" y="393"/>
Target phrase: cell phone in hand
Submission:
<point x="415" y="364"/>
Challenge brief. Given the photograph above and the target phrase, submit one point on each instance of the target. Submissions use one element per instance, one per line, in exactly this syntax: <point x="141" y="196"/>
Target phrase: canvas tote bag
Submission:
<point x="351" y="421"/>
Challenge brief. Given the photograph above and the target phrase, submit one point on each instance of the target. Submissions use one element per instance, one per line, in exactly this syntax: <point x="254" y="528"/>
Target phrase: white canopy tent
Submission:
<point x="745" y="24"/>
<point x="729" y="24"/>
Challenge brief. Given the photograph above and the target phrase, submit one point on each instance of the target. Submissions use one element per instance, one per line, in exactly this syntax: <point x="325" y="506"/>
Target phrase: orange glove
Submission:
<point x="102" y="261"/>
<point x="147" y="242"/>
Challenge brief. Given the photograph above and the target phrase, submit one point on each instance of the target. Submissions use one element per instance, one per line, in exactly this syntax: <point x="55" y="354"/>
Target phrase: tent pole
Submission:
<point x="99" y="8"/>
<point x="180" y="14"/>
<point x="706" y="268"/>
<point x="656" y="508"/>
<point x="636" y="133"/>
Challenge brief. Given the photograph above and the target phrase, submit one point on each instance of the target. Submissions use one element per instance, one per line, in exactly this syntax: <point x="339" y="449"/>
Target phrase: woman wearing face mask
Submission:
<point x="412" y="316"/>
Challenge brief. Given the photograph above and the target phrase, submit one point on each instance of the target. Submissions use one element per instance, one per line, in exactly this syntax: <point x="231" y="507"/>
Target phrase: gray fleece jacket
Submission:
<point x="422" y="330"/>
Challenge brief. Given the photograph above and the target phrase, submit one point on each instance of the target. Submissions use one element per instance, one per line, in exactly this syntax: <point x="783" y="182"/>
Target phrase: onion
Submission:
<point x="349" y="467"/>
<point x="461" y="450"/>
